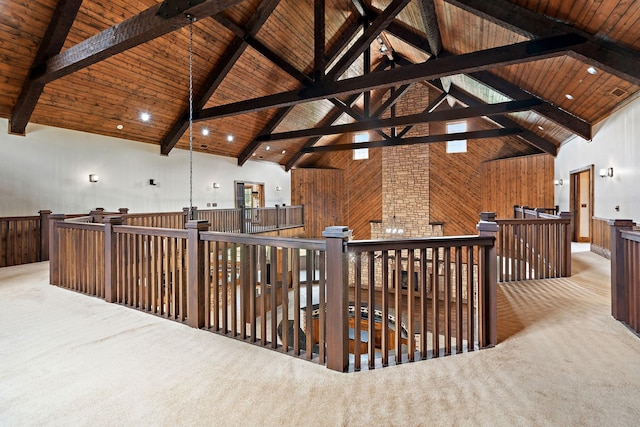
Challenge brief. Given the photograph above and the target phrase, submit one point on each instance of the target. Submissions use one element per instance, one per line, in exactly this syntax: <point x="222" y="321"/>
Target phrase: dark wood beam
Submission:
<point x="51" y="44"/>
<point x="437" y="116"/>
<point x="432" y="106"/>
<point x="370" y="34"/>
<point x="611" y="57"/>
<point x="410" y="36"/>
<point x="561" y="117"/>
<point x="546" y="109"/>
<point x="394" y="142"/>
<point x="330" y="118"/>
<point x="428" y="9"/>
<point x="527" y="136"/>
<point x="132" y="32"/>
<point x="348" y="32"/>
<point x="267" y="129"/>
<point x="226" y="62"/>
<point x="429" y="70"/>
<point x="360" y="7"/>
<point x="319" y="64"/>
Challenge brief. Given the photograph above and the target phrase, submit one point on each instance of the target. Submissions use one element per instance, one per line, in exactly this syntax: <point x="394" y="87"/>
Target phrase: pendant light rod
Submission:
<point x="192" y="213"/>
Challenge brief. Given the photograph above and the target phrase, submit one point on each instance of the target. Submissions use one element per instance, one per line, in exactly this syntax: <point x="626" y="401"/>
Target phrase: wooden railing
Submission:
<point x="625" y="273"/>
<point x="601" y="237"/>
<point x="77" y="256"/>
<point x="527" y="212"/>
<point x="292" y="295"/>
<point x="535" y="248"/>
<point x="26" y="239"/>
<point x="424" y="292"/>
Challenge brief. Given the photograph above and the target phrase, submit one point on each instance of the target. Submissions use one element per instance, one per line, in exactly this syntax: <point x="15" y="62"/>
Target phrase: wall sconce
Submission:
<point x="216" y="185"/>
<point x="558" y="182"/>
<point x="278" y="188"/>
<point x="606" y="172"/>
<point x="93" y="177"/>
<point x="152" y="182"/>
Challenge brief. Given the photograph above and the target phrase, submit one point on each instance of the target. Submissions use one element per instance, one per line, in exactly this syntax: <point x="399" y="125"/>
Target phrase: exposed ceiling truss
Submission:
<point x="547" y="38"/>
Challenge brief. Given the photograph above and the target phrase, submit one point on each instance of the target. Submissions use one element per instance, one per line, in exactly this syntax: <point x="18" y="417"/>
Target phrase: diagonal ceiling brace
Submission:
<point x="437" y="116"/>
<point x="52" y="42"/>
<point x="231" y="55"/>
<point x="466" y="63"/>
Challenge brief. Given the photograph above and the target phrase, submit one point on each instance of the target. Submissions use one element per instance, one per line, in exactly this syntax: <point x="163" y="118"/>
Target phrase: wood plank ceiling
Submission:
<point x="285" y="77"/>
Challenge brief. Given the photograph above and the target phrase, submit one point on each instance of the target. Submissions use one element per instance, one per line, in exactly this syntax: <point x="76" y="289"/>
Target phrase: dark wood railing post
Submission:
<point x="96" y="215"/>
<point x="196" y="273"/>
<point x="54" y="255"/>
<point x="487" y="227"/>
<point x="123" y="211"/>
<point x="242" y="212"/>
<point x="110" y="259"/>
<point x="278" y="218"/>
<point x="337" y="300"/>
<point x="566" y="253"/>
<point x="43" y="249"/>
<point x="619" y="286"/>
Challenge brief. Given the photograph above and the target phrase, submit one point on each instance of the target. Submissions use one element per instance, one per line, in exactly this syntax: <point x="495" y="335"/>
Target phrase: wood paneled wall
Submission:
<point x="456" y="179"/>
<point x="361" y="196"/>
<point x="322" y="193"/>
<point x="524" y="181"/>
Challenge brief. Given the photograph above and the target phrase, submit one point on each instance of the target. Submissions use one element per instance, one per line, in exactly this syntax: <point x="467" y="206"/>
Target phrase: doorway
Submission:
<point x="582" y="203"/>
<point x="250" y="195"/>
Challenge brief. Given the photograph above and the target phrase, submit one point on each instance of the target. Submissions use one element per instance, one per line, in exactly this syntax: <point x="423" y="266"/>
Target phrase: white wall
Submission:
<point x="49" y="169"/>
<point x="616" y="144"/>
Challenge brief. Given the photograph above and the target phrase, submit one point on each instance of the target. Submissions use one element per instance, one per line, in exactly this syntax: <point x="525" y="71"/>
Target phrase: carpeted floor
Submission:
<point x="67" y="359"/>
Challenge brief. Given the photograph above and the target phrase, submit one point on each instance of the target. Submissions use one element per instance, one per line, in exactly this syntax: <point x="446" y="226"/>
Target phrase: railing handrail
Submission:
<point x="630" y="235"/>
<point x="291" y="243"/>
<point x="541" y="220"/>
<point x="420" y="242"/>
<point x="19" y="218"/>
<point x="150" y="231"/>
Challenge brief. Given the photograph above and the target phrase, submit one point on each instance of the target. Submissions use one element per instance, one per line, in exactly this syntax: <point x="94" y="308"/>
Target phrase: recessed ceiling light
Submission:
<point x="145" y="117"/>
<point x="284" y="151"/>
<point x="268" y="148"/>
<point x="229" y="138"/>
<point x="568" y="96"/>
<point x="254" y="154"/>
<point x="540" y="127"/>
<point x="205" y="131"/>
<point x="592" y="70"/>
<point x="119" y="127"/>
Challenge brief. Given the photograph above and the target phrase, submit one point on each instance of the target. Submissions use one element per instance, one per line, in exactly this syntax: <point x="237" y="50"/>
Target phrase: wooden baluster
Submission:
<point x="459" y="320"/>
<point x="447" y="301"/>
<point x="424" y="303"/>
<point x="357" y="305"/>
<point x="385" y="308"/>
<point x="371" y="305"/>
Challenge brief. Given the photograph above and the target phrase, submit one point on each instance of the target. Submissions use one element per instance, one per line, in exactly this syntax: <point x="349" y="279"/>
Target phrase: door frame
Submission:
<point x="574" y="198"/>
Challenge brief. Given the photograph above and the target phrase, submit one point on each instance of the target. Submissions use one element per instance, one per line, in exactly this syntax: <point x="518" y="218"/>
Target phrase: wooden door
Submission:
<point x="582" y="203"/>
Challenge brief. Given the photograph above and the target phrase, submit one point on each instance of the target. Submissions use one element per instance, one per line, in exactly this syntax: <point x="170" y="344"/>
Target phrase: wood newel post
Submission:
<point x="195" y="273"/>
<point x="619" y="286"/>
<point x="54" y="255"/>
<point x="277" y="217"/>
<point x="567" y="243"/>
<point x="110" y="259"/>
<point x="337" y="301"/>
<point x="43" y="250"/>
<point x="96" y="215"/>
<point x="123" y="211"/>
<point x="487" y="227"/>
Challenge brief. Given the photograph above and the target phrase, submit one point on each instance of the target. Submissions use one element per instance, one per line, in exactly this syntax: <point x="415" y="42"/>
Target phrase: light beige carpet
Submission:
<point x="67" y="359"/>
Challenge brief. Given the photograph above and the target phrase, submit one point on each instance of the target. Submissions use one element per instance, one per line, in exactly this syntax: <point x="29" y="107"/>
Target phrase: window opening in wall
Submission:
<point x="361" y="153"/>
<point x="458" y="145"/>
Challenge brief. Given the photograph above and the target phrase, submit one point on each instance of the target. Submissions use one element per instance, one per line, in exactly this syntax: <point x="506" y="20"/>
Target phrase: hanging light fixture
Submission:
<point x="192" y="211"/>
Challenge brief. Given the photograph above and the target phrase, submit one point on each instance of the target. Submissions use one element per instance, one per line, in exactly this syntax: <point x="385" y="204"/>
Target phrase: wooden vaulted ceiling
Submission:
<point x="288" y="78"/>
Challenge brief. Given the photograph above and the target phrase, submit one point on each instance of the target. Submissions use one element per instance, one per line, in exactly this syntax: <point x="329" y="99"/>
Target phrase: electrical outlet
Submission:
<point x="214" y="204"/>
<point x="208" y="205"/>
